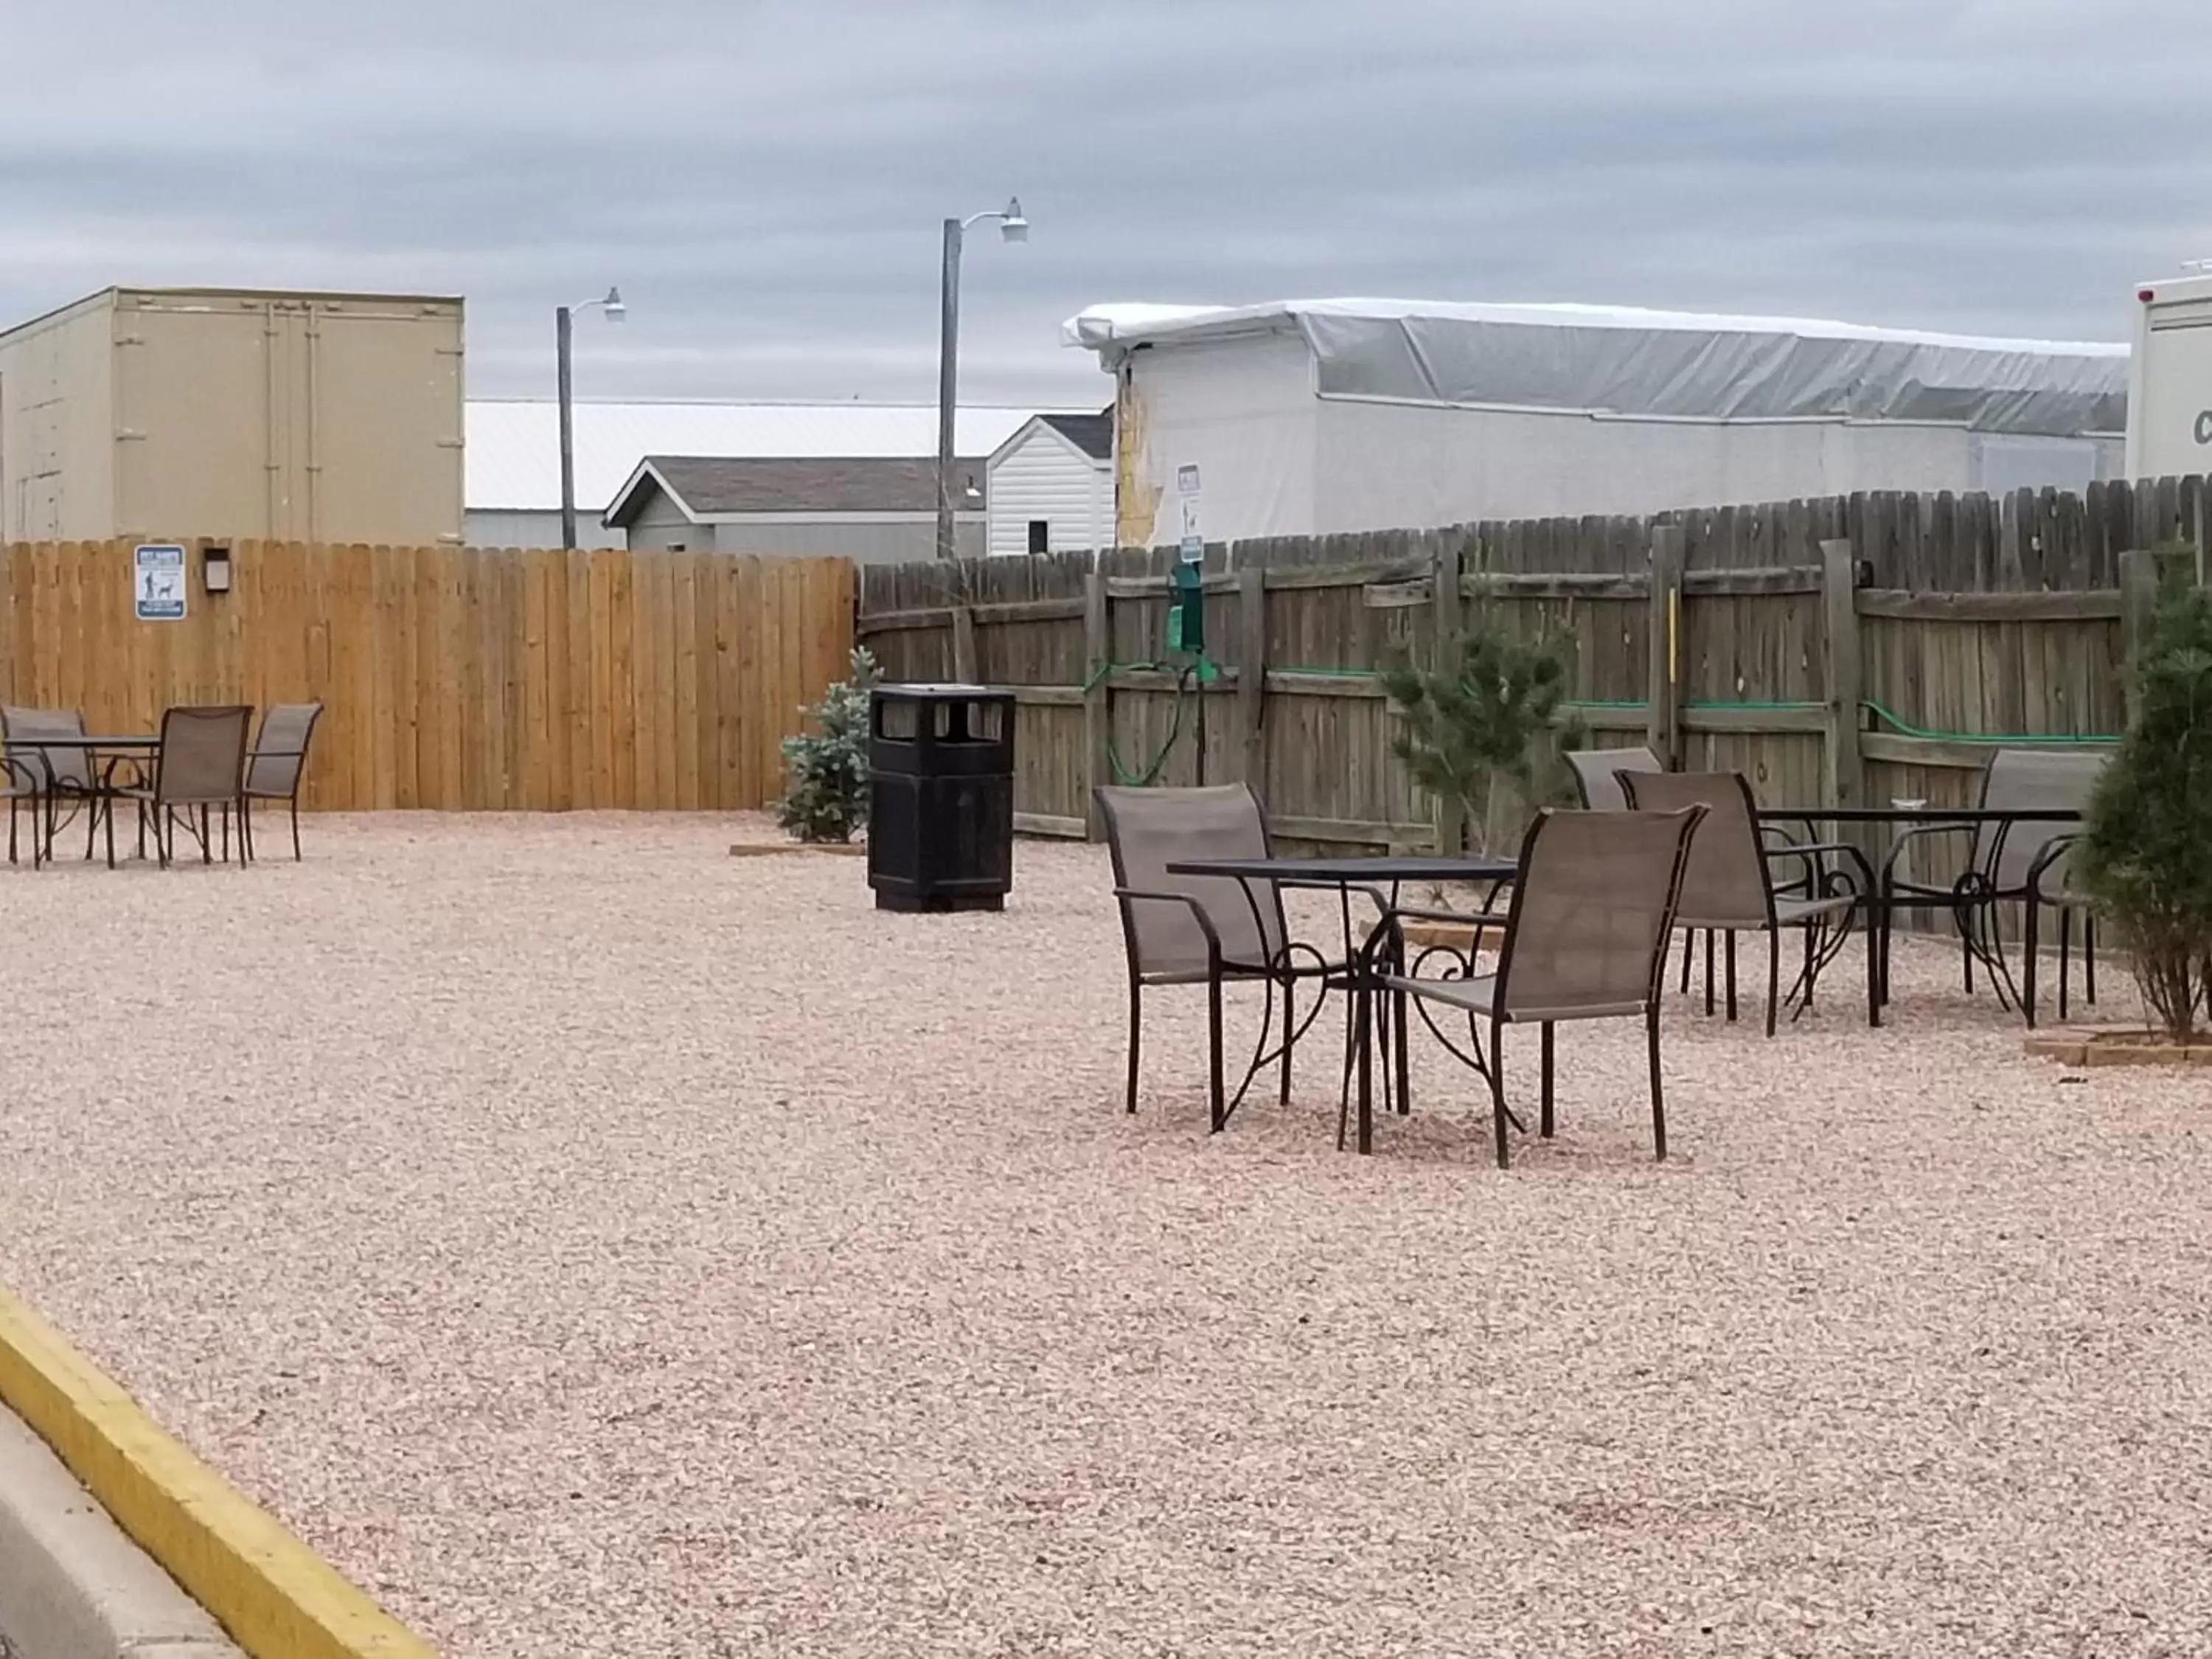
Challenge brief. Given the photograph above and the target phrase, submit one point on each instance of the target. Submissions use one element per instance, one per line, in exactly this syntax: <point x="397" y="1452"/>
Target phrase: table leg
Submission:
<point x="1363" y="1027"/>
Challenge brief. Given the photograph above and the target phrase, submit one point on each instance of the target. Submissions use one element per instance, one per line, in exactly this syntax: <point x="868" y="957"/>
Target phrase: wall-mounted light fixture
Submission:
<point x="215" y="569"/>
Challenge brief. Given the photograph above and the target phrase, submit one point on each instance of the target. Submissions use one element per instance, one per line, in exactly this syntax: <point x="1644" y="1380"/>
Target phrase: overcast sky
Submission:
<point x="766" y="180"/>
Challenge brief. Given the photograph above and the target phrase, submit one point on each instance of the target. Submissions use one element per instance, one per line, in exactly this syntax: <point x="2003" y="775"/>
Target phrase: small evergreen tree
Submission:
<point x="1492" y="712"/>
<point x="825" y="796"/>
<point x="2145" y="854"/>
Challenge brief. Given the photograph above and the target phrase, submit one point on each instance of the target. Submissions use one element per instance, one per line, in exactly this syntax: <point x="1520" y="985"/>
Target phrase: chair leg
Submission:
<point x="295" y="827"/>
<point x="1497" y="1092"/>
<point x="1213" y="1051"/>
<point x="111" y="834"/>
<point x="1730" y="937"/>
<point x="1773" y="976"/>
<point x="1689" y="949"/>
<point x="207" y="837"/>
<point x="1658" y="1095"/>
<point x="2065" y="950"/>
<point x="2028" y="962"/>
<point x="226" y="832"/>
<point x="1708" y="972"/>
<point x="1544" y="1121"/>
<point x="1136" y="1037"/>
<point x="1877" y="981"/>
<point x="1290" y="1024"/>
<point x="1400" y="1014"/>
<point x="2089" y="956"/>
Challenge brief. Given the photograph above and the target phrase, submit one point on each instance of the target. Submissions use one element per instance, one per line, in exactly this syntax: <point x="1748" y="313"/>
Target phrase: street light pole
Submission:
<point x="1014" y="227"/>
<point x="948" y="381"/>
<point x="561" y="333"/>
<point x="611" y="303"/>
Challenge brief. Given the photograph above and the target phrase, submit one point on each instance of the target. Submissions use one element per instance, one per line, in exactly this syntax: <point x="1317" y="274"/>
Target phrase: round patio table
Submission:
<point x="118" y="746"/>
<point x="1881" y="905"/>
<point x="1374" y="873"/>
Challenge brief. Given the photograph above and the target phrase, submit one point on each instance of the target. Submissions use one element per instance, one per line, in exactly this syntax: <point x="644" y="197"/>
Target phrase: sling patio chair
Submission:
<point x="1729" y="888"/>
<point x="1597" y="774"/>
<point x="1598" y="780"/>
<point x="2001" y="858"/>
<point x="59" y="777"/>
<point x="2052" y="886"/>
<point x="1584" y="937"/>
<point x="201" y="768"/>
<point x="277" y="765"/>
<point x="1204" y="930"/>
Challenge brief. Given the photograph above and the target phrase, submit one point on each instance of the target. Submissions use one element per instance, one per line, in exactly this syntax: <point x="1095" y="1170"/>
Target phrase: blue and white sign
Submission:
<point x="158" y="578"/>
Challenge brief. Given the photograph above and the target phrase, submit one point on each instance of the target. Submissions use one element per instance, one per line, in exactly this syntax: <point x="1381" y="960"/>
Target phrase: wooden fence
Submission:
<point x="457" y="678"/>
<point x="1843" y="651"/>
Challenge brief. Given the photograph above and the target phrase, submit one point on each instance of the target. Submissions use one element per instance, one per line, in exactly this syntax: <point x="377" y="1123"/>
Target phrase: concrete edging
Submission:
<point x="71" y="1585"/>
<point x="275" y="1596"/>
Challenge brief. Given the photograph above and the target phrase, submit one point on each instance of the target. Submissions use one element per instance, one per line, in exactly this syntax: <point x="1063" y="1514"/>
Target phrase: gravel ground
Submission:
<point x="596" y="1243"/>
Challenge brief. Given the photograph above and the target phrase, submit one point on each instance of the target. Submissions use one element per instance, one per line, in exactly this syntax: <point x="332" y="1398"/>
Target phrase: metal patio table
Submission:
<point x="121" y="749"/>
<point x="1882" y="905"/>
<point x="1380" y="875"/>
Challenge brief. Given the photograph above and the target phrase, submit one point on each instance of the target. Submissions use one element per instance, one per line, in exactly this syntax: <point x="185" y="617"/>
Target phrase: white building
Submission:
<point x="1050" y="486"/>
<point x="1307" y="417"/>
<point x="512" y="459"/>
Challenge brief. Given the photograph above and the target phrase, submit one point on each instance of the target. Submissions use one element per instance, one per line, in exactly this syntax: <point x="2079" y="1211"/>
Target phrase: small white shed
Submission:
<point x="1310" y="418"/>
<point x="1050" y="485"/>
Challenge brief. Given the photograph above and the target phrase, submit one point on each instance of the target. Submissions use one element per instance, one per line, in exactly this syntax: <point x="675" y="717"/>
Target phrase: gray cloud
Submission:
<point x="765" y="180"/>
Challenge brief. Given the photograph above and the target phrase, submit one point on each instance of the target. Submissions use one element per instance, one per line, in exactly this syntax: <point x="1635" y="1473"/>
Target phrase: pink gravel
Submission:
<point x="596" y="1243"/>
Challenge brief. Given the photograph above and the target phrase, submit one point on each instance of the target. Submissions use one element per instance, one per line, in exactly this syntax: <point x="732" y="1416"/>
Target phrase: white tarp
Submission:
<point x="1657" y="364"/>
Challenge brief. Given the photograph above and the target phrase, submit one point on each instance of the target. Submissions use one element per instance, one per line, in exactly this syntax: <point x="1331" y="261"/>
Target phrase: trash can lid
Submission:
<point x="941" y="690"/>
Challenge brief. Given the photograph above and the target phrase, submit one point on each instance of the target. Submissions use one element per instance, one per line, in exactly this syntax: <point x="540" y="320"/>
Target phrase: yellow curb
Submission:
<point x="277" y="1597"/>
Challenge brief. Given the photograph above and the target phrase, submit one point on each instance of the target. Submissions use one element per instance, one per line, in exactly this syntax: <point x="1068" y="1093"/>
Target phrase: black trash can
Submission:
<point x="941" y="797"/>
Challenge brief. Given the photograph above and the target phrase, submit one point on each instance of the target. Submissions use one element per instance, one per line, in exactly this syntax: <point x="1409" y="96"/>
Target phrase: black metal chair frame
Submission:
<point x="1283" y="973"/>
<point x="1808" y="883"/>
<point x="248" y="796"/>
<point x="1826" y="935"/>
<point x="164" y="815"/>
<point x="1973" y="901"/>
<point x="1385" y="949"/>
<point x="2040" y="898"/>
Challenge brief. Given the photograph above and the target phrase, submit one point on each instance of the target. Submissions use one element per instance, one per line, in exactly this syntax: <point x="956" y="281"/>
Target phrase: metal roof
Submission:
<point x="1622" y="360"/>
<point x="513" y="453"/>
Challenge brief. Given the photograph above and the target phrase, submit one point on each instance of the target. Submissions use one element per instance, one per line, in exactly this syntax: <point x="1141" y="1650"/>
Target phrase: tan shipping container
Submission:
<point x="233" y="413"/>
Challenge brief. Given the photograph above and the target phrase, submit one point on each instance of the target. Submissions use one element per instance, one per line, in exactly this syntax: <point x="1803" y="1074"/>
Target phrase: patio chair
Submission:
<point x="1585" y="937"/>
<point x="202" y="765"/>
<point x="57" y="777"/>
<point x="19" y="787"/>
<point x="2000" y="858"/>
<point x="1209" y="931"/>
<point x="1597" y="774"/>
<point x="2051" y="887"/>
<point x="1598" y="780"/>
<point x="277" y="766"/>
<point x="1730" y="887"/>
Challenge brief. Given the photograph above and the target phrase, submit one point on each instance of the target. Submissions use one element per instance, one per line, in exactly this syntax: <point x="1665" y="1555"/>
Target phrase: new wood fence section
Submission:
<point x="1849" y="650"/>
<point x="457" y="678"/>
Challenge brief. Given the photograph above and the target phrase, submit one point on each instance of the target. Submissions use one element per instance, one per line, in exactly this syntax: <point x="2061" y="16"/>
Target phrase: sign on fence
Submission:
<point x="1193" y="546"/>
<point x="159" y="581"/>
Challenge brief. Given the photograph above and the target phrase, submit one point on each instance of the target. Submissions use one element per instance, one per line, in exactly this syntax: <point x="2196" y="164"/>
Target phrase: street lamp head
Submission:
<point x="613" y="305"/>
<point x="1012" y="225"/>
